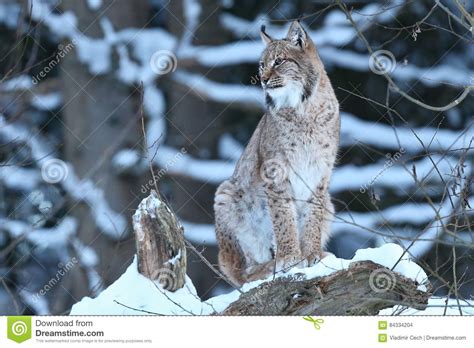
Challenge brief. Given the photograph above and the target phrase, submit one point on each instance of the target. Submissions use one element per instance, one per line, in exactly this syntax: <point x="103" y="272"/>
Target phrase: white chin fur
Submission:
<point x="286" y="96"/>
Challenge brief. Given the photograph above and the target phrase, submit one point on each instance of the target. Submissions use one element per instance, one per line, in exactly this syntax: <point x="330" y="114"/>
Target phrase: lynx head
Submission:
<point x="289" y="69"/>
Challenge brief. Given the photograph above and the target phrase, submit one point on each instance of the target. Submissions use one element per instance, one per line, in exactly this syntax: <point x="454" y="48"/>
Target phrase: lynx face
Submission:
<point x="287" y="71"/>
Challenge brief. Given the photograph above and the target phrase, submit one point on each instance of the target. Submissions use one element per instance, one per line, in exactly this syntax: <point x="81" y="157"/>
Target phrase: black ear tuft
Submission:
<point x="265" y="37"/>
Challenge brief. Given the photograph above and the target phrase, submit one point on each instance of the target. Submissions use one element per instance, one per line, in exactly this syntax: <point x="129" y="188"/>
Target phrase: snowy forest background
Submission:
<point x="93" y="94"/>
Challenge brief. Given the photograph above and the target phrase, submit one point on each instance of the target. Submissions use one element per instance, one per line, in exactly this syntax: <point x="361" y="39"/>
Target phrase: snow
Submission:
<point x="47" y="102"/>
<point x="431" y="76"/>
<point x="229" y="148"/>
<point x="126" y="159"/>
<point x="175" y="259"/>
<point x="147" y="206"/>
<point x="192" y="10"/>
<point x="87" y="255"/>
<point x="94" y="4"/>
<point x="95" y="53"/>
<point x="19" y="178"/>
<point x="374" y="12"/>
<point x="10" y="14"/>
<point x="135" y="291"/>
<point x="225" y="54"/>
<point x="337" y="30"/>
<point x="89" y="259"/>
<point x="154" y="104"/>
<point x="213" y="171"/>
<point x="354" y="130"/>
<point x="144" y="43"/>
<point x="220" y="92"/>
<point x="20" y="82"/>
<point x="62" y="25"/>
<point x="57" y="236"/>
<point x="199" y="233"/>
<point x="110" y="222"/>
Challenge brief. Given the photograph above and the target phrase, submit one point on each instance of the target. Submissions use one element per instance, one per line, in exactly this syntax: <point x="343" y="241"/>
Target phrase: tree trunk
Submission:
<point x="97" y="110"/>
<point x="196" y="125"/>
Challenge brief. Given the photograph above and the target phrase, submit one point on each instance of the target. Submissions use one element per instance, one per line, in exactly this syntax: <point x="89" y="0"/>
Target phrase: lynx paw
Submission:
<point x="312" y="259"/>
<point x="291" y="261"/>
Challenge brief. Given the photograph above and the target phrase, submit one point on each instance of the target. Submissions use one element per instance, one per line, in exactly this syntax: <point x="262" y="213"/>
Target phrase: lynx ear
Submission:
<point x="297" y="35"/>
<point x="265" y="37"/>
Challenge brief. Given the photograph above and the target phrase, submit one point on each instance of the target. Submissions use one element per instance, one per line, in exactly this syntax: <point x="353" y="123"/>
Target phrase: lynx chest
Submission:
<point x="307" y="167"/>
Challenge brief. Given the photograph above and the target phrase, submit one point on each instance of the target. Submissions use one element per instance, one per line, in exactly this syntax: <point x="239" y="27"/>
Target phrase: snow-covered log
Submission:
<point x="364" y="288"/>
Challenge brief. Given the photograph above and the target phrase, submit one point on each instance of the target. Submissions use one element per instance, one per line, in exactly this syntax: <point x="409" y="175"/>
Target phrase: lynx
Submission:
<point x="275" y="210"/>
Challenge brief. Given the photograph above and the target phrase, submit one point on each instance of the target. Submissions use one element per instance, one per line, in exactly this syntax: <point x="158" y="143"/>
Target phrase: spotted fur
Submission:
<point x="275" y="210"/>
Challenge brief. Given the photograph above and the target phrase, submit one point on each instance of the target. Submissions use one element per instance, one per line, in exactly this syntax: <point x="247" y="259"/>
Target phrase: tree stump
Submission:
<point x="160" y="243"/>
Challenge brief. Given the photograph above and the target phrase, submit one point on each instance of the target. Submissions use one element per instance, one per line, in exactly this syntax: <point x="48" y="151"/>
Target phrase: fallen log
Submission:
<point x="364" y="288"/>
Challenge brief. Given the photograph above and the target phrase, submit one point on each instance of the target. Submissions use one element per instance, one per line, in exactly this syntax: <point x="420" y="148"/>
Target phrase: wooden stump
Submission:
<point x="160" y="243"/>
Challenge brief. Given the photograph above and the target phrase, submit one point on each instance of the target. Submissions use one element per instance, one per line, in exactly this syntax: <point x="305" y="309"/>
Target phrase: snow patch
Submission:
<point x="94" y="4"/>
<point x="47" y="102"/>
<point x="143" y="296"/>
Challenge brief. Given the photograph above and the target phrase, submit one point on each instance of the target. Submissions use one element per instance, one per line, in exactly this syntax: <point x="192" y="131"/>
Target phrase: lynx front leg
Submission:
<point x="317" y="225"/>
<point x="283" y="215"/>
<point x="231" y="256"/>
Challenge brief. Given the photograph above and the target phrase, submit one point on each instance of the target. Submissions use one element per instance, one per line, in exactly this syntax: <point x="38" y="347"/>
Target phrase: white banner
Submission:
<point x="215" y="331"/>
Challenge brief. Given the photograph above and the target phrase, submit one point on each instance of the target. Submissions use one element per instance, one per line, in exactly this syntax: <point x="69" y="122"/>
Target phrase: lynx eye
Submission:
<point x="278" y="61"/>
<point x="261" y="65"/>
